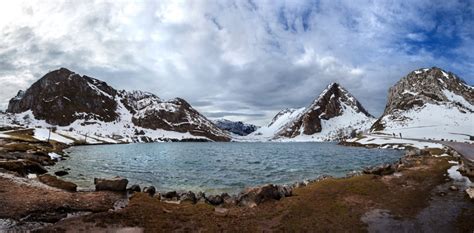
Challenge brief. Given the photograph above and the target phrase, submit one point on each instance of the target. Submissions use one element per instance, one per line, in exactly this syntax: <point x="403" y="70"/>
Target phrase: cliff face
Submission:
<point x="62" y="97"/>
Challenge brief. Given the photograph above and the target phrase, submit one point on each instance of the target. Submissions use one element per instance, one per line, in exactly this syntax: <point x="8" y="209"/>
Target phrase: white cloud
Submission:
<point x="225" y="56"/>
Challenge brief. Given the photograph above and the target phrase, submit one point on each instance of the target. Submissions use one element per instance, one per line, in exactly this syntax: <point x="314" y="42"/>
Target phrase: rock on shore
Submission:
<point x="116" y="184"/>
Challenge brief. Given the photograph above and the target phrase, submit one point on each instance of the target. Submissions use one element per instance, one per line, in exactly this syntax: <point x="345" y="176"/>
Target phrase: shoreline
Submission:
<point x="226" y="206"/>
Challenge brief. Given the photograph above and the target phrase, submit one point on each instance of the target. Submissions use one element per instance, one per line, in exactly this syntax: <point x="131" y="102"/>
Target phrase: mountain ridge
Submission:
<point x="62" y="97"/>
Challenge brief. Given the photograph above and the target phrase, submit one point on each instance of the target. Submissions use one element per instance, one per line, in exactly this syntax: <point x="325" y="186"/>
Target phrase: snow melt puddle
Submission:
<point x="454" y="174"/>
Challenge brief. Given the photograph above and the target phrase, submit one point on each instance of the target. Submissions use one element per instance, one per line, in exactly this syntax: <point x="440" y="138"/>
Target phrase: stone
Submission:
<point x="470" y="193"/>
<point x="135" y="188"/>
<point x="200" y="197"/>
<point x="453" y="188"/>
<point x="116" y="184"/>
<point x="61" y="173"/>
<point x="53" y="181"/>
<point x="385" y="169"/>
<point x="254" y="196"/>
<point x="285" y="191"/>
<point x="188" y="197"/>
<point x="214" y="199"/>
<point x="221" y="211"/>
<point x="170" y="194"/>
<point x="150" y="190"/>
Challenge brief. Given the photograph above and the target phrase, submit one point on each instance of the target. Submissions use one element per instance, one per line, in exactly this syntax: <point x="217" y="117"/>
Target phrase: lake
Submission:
<point x="217" y="167"/>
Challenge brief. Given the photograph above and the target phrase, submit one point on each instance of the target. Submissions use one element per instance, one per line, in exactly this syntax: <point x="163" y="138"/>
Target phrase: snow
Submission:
<point x="267" y="132"/>
<point x="453" y="97"/>
<point x="409" y="92"/>
<point x="43" y="134"/>
<point x="54" y="156"/>
<point x="333" y="128"/>
<point x="454" y="174"/>
<point x="445" y="74"/>
<point x="391" y="142"/>
<point x="431" y="121"/>
<point x="99" y="91"/>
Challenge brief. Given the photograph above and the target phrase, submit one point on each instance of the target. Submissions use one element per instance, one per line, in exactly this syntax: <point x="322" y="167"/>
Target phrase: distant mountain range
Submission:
<point x="89" y="106"/>
<point x="429" y="103"/>
<point x="235" y="127"/>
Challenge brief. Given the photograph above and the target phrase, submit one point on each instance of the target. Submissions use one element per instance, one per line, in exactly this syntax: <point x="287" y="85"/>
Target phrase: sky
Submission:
<point x="237" y="59"/>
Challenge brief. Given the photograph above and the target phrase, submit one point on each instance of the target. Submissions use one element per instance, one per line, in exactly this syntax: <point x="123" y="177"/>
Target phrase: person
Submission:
<point x="400" y="135"/>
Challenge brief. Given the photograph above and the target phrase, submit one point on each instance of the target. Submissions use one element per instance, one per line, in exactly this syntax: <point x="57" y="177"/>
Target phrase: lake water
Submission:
<point x="217" y="167"/>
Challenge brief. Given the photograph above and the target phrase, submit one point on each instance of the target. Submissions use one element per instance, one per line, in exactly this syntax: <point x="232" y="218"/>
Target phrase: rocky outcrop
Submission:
<point x="254" y="196"/>
<point x="53" y="181"/>
<point x="116" y="184"/>
<point x="62" y="98"/>
<point x="23" y="167"/>
<point x="422" y="87"/>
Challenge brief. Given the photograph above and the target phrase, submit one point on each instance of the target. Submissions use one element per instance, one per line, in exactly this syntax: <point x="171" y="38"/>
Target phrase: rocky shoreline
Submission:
<point x="20" y="159"/>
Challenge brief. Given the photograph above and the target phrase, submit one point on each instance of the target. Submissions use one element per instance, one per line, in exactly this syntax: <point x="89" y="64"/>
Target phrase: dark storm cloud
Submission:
<point x="243" y="60"/>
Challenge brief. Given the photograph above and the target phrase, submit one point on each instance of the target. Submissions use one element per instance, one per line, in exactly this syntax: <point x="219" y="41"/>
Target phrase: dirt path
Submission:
<point x="465" y="149"/>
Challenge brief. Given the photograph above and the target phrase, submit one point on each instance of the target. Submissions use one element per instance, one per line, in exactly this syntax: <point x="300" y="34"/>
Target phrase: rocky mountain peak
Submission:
<point x="59" y="95"/>
<point x="432" y="85"/>
<point x="332" y="102"/>
<point x="427" y="86"/>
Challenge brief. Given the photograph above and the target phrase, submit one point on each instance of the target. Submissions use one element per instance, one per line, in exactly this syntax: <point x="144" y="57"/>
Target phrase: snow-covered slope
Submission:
<point x="334" y="115"/>
<point x="279" y="120"/>
<point x="429" y="104"/>
<point x="89" y="110"/>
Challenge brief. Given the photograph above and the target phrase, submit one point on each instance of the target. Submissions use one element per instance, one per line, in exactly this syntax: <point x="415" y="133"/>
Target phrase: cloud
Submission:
<point x="244" y="60"/>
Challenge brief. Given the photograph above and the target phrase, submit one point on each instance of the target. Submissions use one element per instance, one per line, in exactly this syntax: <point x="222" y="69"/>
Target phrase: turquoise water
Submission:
<point x="217" y="167"/>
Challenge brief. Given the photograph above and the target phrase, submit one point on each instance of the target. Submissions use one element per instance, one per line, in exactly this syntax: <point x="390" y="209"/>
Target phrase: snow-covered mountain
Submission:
<point x="429" y="103"/>
<point x="235" y="127"/>
<point x="81" y="105"/>
<point x="335" y="114"/>
<point x="282" y="118"/>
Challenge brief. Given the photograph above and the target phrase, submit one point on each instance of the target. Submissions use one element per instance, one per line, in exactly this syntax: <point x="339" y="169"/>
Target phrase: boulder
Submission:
<point x="135" y="188"/>
<point x="188" y="197"/>
<point x="23" y="167"/>
<point x="170" y="195"/>
<point x="61" y="173"/>
<point x="200" y="197"/>
<point x="227" y="199"/>
<point x="150" y="190"/>
<point x="255" y="196"/>
<point x="285" y="191"/>
<point x="214" y="199"/>
<point x="116" y="184"/>
<point x="221" y="211"/>
<point x="53" y="181"/>
<point x="470" y="193"/>
<point x="385" y="169"/>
